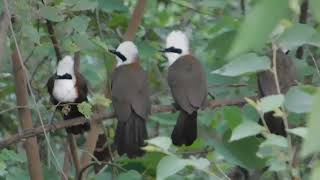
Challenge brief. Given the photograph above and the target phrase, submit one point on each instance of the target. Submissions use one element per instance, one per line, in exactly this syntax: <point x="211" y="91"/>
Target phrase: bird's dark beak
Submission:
<point x="112" y="51"/>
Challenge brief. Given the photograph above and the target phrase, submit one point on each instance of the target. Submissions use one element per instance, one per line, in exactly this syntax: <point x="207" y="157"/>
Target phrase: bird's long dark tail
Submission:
<point x="74" y="113"/>
<point x="130" y="136"/>
<point x="185" y="130"/>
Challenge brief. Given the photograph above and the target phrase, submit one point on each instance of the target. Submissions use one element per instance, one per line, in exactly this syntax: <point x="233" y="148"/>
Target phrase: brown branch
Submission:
<point x="74" y="154"/>
<point x="31" y="145"/>
<point x="303" y="18"/>
<point x="54" y="40"/>
<point x="77" y="61"/>
<point x="66" y="162"/>
<point x="135" y="21"/>
<point x="99" y="117"/>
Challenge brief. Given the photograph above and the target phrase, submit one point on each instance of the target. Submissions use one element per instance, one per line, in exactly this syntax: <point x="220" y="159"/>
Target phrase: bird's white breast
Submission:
<point x="64" y="90"/>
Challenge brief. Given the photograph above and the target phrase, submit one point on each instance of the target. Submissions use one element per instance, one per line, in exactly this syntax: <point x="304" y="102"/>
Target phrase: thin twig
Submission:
<point x="315" y="62"/>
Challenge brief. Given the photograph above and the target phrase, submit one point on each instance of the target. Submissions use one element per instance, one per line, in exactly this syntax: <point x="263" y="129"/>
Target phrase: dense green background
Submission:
<point x="227" y="42"/>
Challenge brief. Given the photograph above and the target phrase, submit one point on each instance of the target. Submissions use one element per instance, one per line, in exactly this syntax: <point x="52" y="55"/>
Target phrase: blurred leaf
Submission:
<point x="112" y="5"/>
<point x="247" y="63"/>
<point x="80" y="23"/>
<point x="258" y="23"/>
<point x="99" y="99"/>
<point x="299" y="131"/>
<point x="314" y="6"/>
<point x="233" y="116"/>
<point x="162" y="142"/>
<point x="9" y="155"/>
<point x="275" y="140"/>
<point x="246" y="129"/>
<point x="315" y="173"/>
<point x="241" y="152"/>
<point x="311" y="144"/>
<point x="129" y="175"/>
<point x="298" y="101"/>
<point x="51" y="13"/>
<point x="85" y="109"/>
<point x="3" y="168"/>
<point x="83" y="5"/>
<point x="298" y="35"/>
<point x="31" y="32"/>
<point x="169" y="165"/>
<point x="200" y="163"/>
<point x="270" y="103"/>
<point x="276" y="165"/>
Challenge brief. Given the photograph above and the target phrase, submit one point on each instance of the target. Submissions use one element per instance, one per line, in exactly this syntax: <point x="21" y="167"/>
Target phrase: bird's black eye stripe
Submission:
<point x="173" y="50"/>
<point x="65" y="76"/>
<point x="119" y="54"/>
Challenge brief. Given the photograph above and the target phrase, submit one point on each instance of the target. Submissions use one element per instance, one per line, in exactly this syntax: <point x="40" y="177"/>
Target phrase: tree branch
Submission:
<point x="54" y="40"/>
<point x="135" y="21"/>
<point x="99" y="117"/>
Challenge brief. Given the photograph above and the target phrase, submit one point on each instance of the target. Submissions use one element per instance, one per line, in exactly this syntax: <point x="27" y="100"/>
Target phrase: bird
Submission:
<point x="67" y="88"/>
<point x="131" y="100"/>
<point x="188" y="85"/>
<point x="287" y="75"/>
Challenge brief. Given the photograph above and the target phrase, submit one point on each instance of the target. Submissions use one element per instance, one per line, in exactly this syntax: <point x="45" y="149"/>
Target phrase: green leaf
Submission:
<point x="31" y="32"/>
<point x="85" y="109"/>
<point x="298" y="101"/>
<point x="311" y="143"/>
<point x="200" y="163"/>
<point x="299" y="131"/>
<point x="275" y="140"/>
<point x="112" y="5"/>
<point x="246" y="129"/>
<point x="162" y="142"/>
<point x="315" y="173"/>
<point x="298" y="35"/>
<point x="258" y="25"/>
<point x="99" y="99"/>
<point x="314" y="6"/>
<point x="169" y="165"/>
<point x="83" y="5"/>
<point x="9" y="155"/>
<point x="3" y="168"/>
<point x="131" y="174"/>
<point x="80" y="23"/>
<point x="233" y="116"/>
<point x="270" y="103"/>
<point x="51" y="13"/>
<point x="247" y="63"/>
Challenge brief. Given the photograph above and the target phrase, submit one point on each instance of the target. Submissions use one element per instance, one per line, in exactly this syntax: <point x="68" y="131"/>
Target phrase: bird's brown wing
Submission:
<point x="130" y="92"/>
<point x="187" y="80"/>
<point x="82" y="87"/>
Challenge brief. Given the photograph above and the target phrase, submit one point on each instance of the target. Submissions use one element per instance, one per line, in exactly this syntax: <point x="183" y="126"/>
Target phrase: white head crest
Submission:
<point x="179" y="40"/>
<point x="66" y="65"/>
<point x="129" y="50"/>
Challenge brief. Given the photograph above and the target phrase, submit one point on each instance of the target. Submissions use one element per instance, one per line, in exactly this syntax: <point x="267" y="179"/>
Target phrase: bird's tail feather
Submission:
<point x="185" y="130"/>
<point x="130" y="136"/>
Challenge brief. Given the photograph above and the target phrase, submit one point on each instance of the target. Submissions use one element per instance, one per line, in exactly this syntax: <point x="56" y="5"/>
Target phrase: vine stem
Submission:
<point x="285" y="117"/>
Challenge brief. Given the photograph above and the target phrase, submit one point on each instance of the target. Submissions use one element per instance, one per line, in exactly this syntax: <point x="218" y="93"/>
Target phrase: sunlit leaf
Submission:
<point x="246" y="129"/>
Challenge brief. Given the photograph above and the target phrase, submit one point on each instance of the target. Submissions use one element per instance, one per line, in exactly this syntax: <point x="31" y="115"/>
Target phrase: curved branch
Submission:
<point x="99" y="117"/>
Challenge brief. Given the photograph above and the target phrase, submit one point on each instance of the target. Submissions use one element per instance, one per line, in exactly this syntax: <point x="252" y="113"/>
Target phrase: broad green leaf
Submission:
<point x="311" y="143"/>
<point x="31" y="32"/>
<point x="131" y="174"/>
<point x="298" y="101"/>
<point x="200" y="163"/>
<point x="51" y="13"/>
<point x="99" y="99"/>
<point x="10" y="155"/>
<point x="277" y="165"/>
<point x="270" y="103"/>
<point x="80" y="23"/>
<point x="83" y="5"/>
<point x="299" y="131"/>
<point x="315" y="173"/>
<point x="314" y="6"/>
<point x="111" y="5"/>
<point x="258" y="25"/>
<point x="247" y="63"/>
<point x="169" y="165"/>
<point x="233" y="116"/>
<point x="246" y="129"/>
<point x="241" y="152"/>
<point x="298" y="35"/>
<point x="85" y="109"/>
<point x="275" y="140"/>
<point x="162" y="142"/>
